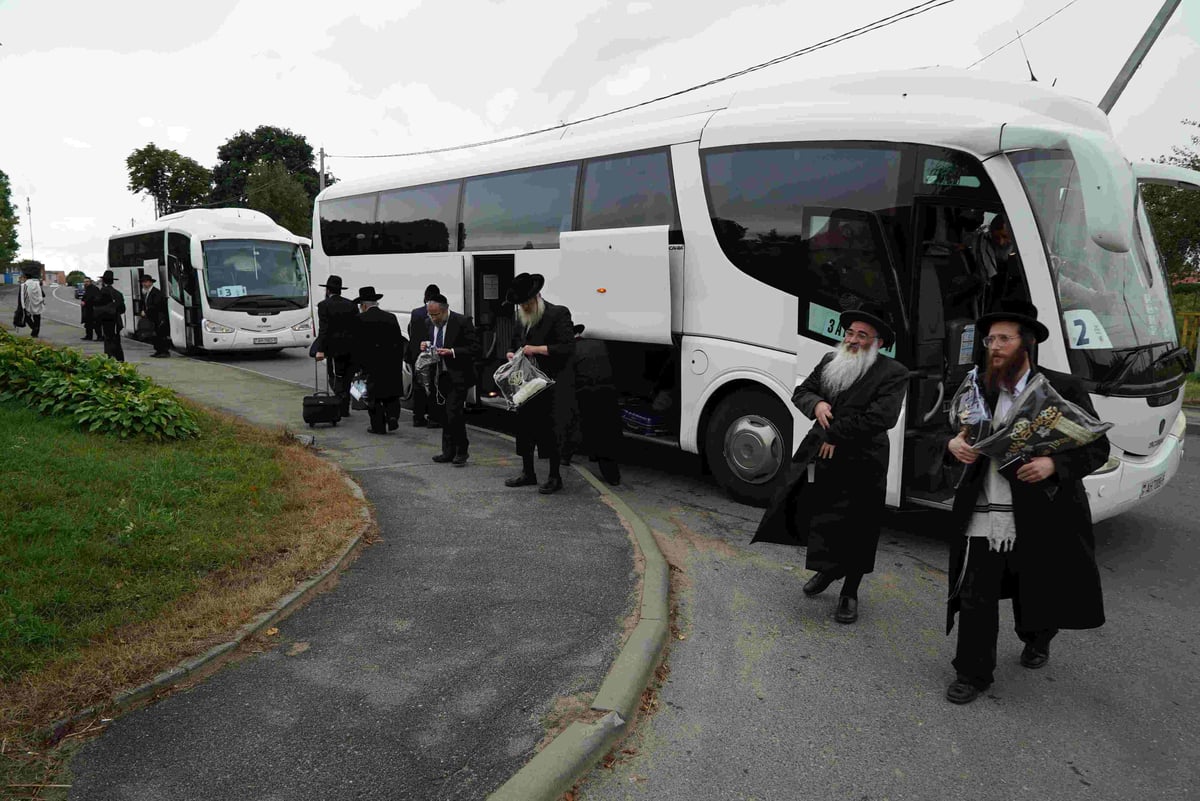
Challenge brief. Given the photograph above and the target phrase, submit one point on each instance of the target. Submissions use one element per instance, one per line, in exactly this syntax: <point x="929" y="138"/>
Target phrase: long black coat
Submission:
<point x="86" y="304"/>
<point x="156" y="307"/>
<point x="839" y="521"/>
<point x="378" y="348"/>
<point x="557" y="333"/>
<point x="459" y="336"/>
<point x="1056" y="579"/>
<point x="336" y="318"/>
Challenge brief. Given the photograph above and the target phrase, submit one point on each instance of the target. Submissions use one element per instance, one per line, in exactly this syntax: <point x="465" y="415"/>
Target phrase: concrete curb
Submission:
<point x="213" y="657"/>
<point x="556" y="768"/>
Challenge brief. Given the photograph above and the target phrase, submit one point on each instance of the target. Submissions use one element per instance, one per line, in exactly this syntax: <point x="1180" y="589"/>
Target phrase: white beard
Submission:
<point x="846" y="367"/>
<point x="532" y="319"/>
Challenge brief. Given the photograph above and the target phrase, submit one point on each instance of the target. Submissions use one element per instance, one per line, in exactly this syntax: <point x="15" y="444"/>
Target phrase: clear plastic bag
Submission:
<point x="969" y="412"/>
<point x="425" y="371"/>
<point x="520" y="379"/>
<point x="1040" y="422"/>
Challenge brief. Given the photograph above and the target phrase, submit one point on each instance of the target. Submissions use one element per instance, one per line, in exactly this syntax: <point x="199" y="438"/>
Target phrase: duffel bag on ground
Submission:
<point x="322" y="407"/>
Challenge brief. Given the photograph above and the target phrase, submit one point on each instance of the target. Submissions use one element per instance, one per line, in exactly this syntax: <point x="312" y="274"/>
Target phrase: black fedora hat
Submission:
<point x="146" y="277"/>
<point x="524" y="287"/>
<point x="367" y="293"/>
<point x="108" y="277"/>
<point x="1015" y="311"/>
<point x="873" y="316"/>
<point x="334" y="282"/>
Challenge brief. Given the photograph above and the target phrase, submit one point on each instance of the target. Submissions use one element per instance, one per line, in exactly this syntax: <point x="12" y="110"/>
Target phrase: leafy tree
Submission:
<point x="1175" y="215"/>
<point x="8" y="223"/>
<point x="75" y="277"/>
<point x="239" y="155"/>
<point x="274" y="191"/>
<point x="31" y="267"/>
<point x="175" y="181"/>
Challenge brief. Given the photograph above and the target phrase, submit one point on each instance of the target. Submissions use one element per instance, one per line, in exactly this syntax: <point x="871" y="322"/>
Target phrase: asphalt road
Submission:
<point x="767" y="697"/>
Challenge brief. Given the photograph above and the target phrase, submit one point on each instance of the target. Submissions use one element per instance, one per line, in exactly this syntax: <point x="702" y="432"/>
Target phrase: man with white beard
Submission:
<point x="854" y="395"/>
<point x="546" y="335"/>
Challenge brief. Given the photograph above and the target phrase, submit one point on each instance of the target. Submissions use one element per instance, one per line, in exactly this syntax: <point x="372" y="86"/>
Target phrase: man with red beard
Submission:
<point x="855" y="397"/>
<point x="1028" y="539"/>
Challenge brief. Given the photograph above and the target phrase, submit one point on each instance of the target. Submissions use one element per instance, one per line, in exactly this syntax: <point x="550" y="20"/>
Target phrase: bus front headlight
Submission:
<point x="216" y="328"/>
<point x="304" y="326"/>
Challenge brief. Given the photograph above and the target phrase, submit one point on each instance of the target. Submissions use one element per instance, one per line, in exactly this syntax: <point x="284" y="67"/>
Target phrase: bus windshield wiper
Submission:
<point x="1120" y="370"/>
<point x="1176" y="353"/>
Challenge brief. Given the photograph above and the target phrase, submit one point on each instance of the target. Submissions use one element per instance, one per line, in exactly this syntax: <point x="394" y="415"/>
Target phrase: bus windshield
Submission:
<point x="1110" y="301"/>
<point x="254" y="274"/>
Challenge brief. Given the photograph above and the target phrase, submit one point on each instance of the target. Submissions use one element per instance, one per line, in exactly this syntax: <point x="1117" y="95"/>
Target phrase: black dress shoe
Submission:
<point x="442" y="458"/>
<point x="460" y="460"/>
<point x="522" y="480"/>
<point x="551" y="486"/>
<point x="819" y="583"/>
<point x="86" y="339"/>
<point x="847" y="610"/>
<point x="393" y="424"/>
<point x="433" y="424"/>
<point x="962" y="691"/>
<point x="419" y="424"/>
<point x="375" y="431"/>
<point x="1034" y="658"/>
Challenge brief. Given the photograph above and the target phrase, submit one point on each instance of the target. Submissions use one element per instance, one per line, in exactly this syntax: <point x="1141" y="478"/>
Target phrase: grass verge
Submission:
<point x="122" y="558"/>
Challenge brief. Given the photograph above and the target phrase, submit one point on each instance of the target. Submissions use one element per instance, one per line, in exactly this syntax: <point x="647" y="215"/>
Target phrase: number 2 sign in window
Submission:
<point x="1085" y="331"/>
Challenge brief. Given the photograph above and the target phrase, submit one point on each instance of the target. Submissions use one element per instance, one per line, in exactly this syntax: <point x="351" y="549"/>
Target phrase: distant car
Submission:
<point x="78" y="290"/>
<point x="53" y="283"/>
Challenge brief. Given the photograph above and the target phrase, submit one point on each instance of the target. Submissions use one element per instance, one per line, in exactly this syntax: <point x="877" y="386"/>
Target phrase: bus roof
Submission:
<point x="227" y="223"/>
<point x="944" y="106"/>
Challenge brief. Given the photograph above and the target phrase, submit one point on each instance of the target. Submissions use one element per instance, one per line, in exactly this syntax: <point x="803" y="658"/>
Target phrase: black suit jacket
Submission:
<point x="418" y="324"/>
<point x="87" y="302"/>
<point x="460" y="336"/>
<point x="336" y="317"/>
<point x="156" y="306"/>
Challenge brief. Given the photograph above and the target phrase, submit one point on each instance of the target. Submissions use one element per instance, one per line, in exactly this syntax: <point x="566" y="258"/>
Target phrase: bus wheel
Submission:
<point x="748" y="443"/>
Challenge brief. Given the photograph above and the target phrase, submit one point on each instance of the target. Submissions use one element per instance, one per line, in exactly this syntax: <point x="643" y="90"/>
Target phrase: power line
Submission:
<point x="883" y="22"/>
<point x="1026" y="33"/>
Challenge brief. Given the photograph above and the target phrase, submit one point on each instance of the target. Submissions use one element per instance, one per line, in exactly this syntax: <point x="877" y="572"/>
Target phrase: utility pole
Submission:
<point x="1139" y="53"/>
<point x="29" y="215"/>
<point x="321" y="179"/>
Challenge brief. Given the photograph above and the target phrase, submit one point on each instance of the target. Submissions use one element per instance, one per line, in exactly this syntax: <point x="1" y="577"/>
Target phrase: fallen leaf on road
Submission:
<point x="271" y="632"/>
<point x="297" y="649"/>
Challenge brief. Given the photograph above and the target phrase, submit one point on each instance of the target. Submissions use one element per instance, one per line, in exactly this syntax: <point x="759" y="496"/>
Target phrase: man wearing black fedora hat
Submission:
<point x="109" y="308"/>
<point x="154" y="309"/>
<point x="854" y="394"/>
<point x="378" y="349"/>
<point x="1027" y="537"/>
<point x="545" y="334"/>
<point x="336" y="317"/>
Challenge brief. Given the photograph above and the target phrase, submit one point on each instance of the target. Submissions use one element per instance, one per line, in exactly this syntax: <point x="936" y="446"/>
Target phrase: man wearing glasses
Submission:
<point x="1028" y="538"/>
<point x="854" y="395"/>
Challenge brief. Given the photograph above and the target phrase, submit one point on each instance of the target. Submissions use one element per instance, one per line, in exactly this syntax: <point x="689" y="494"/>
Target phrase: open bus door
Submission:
<point x="182" y="289"/>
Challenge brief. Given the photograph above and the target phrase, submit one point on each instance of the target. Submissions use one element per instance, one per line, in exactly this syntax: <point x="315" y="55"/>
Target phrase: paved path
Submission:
<point x="427" y="672"/>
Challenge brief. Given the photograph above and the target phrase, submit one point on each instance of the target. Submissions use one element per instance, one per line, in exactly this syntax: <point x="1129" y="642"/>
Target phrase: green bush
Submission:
<point x="99" y="393"/>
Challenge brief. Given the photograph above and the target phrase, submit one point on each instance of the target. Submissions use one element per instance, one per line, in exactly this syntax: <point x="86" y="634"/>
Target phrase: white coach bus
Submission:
<point x="715" y="250"/>
<point x="234" y="280"/>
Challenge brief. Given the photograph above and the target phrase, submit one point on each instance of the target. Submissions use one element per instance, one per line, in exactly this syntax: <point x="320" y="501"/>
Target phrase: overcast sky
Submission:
<point x="85" y="83"/>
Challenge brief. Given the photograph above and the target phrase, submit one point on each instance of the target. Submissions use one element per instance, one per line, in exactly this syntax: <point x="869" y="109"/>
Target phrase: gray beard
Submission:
<point x="530" y="320"/>
<point x="845" y="368"/>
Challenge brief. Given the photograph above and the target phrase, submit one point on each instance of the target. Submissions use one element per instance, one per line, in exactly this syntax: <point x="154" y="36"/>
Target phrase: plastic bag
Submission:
<point x="358" y="389"/>
<point x="969" y="412"/>
<point x="1040" y="422"/>
<point x="425" y="370"/>
<point x="520" y="379"/>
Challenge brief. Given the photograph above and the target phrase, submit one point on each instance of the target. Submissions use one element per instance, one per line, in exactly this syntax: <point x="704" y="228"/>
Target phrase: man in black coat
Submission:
<point x="154" y="309"/>
<point x="418" y="326"/>
<point x="1028" y="537"/>
<point x="336" y="318"/>
<point x="597" y="418"/>
<point x="544" y="332"/>
<point x="378" y="349"/>
<point x="87" y="311"/>
<point x="452" y="337"/>
<point x="855" y="395"/>
<point x="109" y="308"/>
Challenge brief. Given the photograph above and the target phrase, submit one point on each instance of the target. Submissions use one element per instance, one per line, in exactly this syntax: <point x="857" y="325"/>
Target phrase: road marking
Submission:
<point x="54" y="292"/>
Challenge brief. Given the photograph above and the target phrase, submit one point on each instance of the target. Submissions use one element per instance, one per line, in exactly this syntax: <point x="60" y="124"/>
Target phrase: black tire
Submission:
<point x="759" y="431"/>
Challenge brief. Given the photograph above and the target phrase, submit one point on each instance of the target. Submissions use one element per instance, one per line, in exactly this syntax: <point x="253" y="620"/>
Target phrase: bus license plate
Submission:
<point x="1153" y="485"/>
<point x="266" y="340"/>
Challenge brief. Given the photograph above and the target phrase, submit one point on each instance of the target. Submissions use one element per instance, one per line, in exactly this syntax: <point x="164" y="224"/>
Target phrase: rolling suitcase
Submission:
<point x="321" y="407"/>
